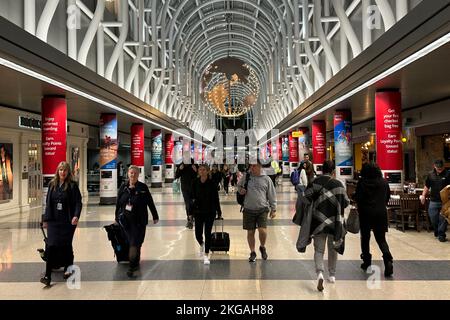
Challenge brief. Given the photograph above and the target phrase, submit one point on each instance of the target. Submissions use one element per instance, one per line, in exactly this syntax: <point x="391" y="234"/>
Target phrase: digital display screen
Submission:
<point x="106" y="174"/>
<point x="168" y="166"/>
<point x="393" y="177"/>
<point x="345" y="171"/>
<point x="319" y="168"/>
<point x="155" y="168"/>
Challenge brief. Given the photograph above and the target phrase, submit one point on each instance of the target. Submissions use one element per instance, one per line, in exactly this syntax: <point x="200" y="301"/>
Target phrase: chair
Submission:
<point x="409" y="207"/>
<point x="392" y="206"/>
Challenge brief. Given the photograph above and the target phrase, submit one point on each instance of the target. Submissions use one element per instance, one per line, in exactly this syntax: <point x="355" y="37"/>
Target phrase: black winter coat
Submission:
<point x="140" y="198"/>
<point x="372" y="196"/>
<point x="205" y="199"/>
<point x="187" y="176"/>
<point x="60" y="230"/>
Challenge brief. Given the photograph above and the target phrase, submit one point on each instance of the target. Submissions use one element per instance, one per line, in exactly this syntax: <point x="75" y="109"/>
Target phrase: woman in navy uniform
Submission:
<point x="62" y="212"/>
<point x="133" y="199"/>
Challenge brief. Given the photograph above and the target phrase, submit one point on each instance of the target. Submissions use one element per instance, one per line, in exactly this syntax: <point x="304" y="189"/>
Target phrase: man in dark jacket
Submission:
<point x="437" y="180"/>
<point x="187" y="174"/>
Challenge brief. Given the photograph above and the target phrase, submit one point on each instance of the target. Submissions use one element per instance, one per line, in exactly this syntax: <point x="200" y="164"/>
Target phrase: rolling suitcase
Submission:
<point x="59" y="261"/>
<point x="118" y="242"/>
<point x="220" y="241"/>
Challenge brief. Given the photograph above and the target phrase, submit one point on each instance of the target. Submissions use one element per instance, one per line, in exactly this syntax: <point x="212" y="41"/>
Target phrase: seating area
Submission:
<point x="406" y="211"/>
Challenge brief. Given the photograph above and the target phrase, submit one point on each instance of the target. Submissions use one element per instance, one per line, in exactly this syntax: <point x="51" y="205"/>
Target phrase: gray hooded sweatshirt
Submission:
<point x="260" y="192"/>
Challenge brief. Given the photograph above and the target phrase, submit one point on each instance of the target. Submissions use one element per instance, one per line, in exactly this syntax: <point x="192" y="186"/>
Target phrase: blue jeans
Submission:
<point x="439" y="223"/>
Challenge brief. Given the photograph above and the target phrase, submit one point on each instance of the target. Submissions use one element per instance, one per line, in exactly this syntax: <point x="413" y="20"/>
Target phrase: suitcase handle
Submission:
<point x="215" y="224"/>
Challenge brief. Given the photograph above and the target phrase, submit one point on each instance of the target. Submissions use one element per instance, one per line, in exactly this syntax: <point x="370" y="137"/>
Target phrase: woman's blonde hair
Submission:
<point x="55" y="181"/>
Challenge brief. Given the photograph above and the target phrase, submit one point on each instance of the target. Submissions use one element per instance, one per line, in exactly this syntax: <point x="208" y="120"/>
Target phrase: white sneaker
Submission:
<point x="201" y="250"/>
<point x="206" y="259"/>
<point x="332" y="279"/>
<point x="320" y="281"/>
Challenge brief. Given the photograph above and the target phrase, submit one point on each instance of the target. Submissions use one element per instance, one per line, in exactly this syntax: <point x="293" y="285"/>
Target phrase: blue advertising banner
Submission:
<point x="108" y="141"/>
<point x="285" y="148"/>
<point x="157" y="148"/>
<point x="343" y="138"/>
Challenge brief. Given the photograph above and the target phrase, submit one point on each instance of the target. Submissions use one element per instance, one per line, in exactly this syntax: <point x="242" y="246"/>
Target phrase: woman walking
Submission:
<point x="133" y="199"/>
<point x="206" y="206"/>
<point x="372" y="195"/>
<point x="62" y="212"/>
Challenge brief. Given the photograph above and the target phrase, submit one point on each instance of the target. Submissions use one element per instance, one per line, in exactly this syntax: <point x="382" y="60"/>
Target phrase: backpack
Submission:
<point x="239" y="197"/>
<point x="295" y="177"/>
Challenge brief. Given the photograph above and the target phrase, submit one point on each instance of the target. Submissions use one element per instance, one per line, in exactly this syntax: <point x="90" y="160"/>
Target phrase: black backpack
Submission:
<point x="239" y="197"/>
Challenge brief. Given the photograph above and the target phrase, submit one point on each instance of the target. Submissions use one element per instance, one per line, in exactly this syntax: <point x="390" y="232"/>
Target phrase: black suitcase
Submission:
<point x="59" y="263"/>
<point x="220" y="241"/>
<point x="118" y="242"/>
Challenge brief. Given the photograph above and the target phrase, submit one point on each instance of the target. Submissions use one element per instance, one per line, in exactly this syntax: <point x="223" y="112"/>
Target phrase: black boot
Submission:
<point x="367" y="261"/>
<point x="388" y="266"/>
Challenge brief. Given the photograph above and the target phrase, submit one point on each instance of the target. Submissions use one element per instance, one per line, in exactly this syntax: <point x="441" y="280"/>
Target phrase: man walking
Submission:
<point x="260" y="199"/>
<point x="187" y="174"/>
<point x="437" y="180"/>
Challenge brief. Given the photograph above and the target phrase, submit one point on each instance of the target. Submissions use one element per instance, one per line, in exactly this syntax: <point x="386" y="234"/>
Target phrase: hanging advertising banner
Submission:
<point x="343" y="138"/>
<point x="137" y="148"/>
<point x="388" y="127"/>
<point x="54" y="133"/>
<point x="319" y="144"/>
<point x="137" y="144"/>
<point x="156" y="147"/>
<point x="303" y="143"/>
<point x="75" y="163"/>
<point x="285" y="148"/>
<point x="280" y="152"/>
<point x="293" y="149"/>
<point x="108" y="158"/>
<point x="203" y="154"/>
<point x="198" y="153"/>
<point x="178" y="151"/>
<point x="169" y="149"/>
<point x="6" y="171"/>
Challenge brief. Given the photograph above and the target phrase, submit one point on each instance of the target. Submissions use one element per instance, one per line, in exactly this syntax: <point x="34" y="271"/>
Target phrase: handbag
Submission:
<point x="353" y="221"/>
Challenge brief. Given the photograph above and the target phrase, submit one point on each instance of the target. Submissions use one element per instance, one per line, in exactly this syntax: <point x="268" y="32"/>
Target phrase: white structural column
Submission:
<point x="91" y="31"/>
<point x="386" y="13"/>
<point x="140" y="51"/>
<point x="154" y="44"/>
<point x="30" y="16"/>
<point x="100" y="51"/>
<point x="118" y="49"/>
<point x="347" y="27"/>
<point x="344" y="48"/>
<point x="366" y="31"/>
<point x="318" y="73"/>
<point x="401" y="9"/>
<point x="45" y="19"/>
<point x="298" y="59"/>
<point x="323" y="40"/>
<point x="72" y="16"/>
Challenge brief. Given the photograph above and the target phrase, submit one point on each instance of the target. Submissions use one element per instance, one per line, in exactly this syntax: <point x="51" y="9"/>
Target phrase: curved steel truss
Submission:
<point x="163" y="47"/>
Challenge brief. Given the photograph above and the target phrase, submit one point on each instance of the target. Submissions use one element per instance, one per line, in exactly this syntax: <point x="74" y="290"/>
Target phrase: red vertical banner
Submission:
<point x="169" y="149"/>
<point x="319" y="142"/>
<point x="137" y="144"/>
<point x="388" y="128"/>
<point x="293" y="148"/>
<point x="280" y="152"/>
<point x="54" y="132"/>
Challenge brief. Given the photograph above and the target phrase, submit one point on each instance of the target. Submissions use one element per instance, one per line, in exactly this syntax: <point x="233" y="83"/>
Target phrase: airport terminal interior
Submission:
<point x="140" y="89"/>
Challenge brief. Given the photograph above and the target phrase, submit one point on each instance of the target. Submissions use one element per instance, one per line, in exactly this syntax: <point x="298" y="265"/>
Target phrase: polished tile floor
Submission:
<point x="171" y="268"/>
